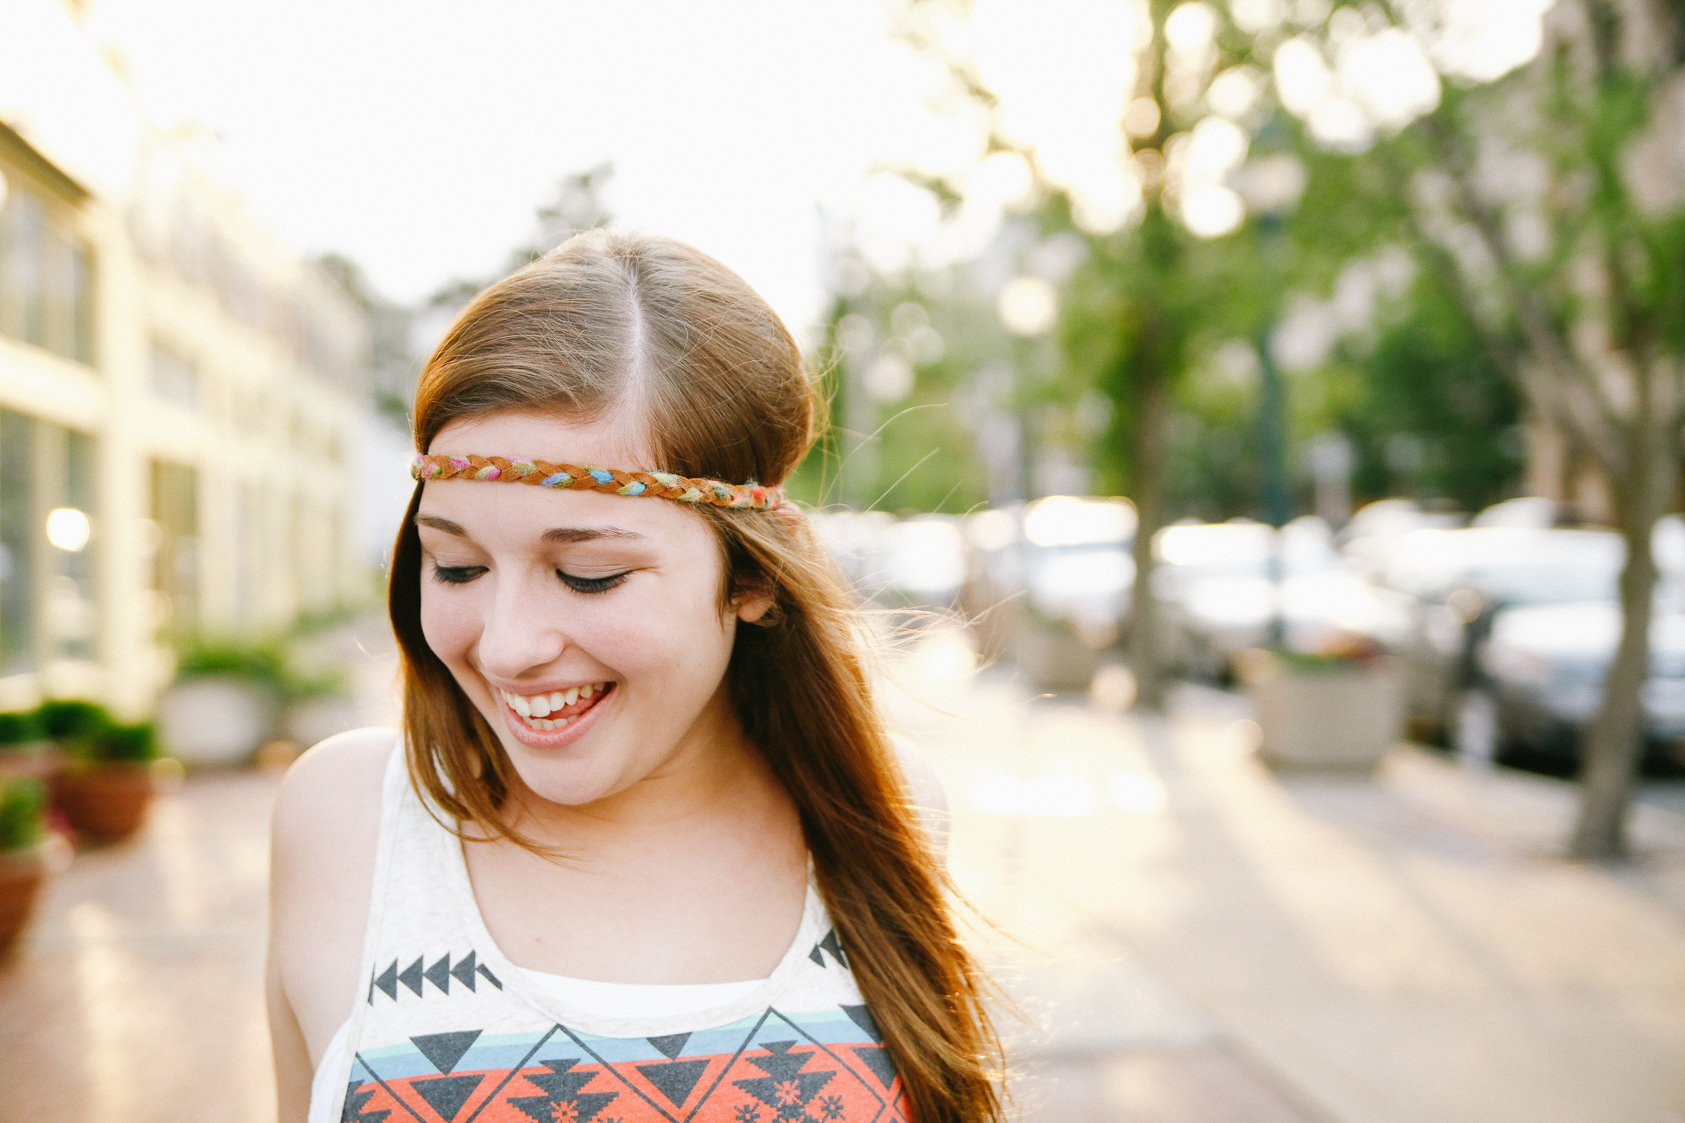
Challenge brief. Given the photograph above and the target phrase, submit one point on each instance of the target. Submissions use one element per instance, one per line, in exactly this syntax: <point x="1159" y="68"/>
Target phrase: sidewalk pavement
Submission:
<point x="1203" y="939"/>
<point x="1192" y="938"/>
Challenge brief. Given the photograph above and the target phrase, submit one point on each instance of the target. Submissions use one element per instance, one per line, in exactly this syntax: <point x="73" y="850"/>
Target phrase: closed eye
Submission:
<point x="591" y="584"/>
<point x="457" y="574"/>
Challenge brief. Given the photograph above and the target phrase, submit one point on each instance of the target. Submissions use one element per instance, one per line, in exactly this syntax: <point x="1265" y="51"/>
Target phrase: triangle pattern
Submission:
<point x="490" y="978"/>
<point x="411" y="977"/>
<point x="816" y="955"/>
<point x="831" y="944"/>
<point x="463" y="972"/>
<point x="675" y="1079"/>
<point x="387" y="982"/>
<point x="446" y="1094"/>
<point x="670" y="1047"/>
<point x="444" y="1050"/>
<point x="785" y="1088"/>
<point x="862" y="1017"/>
<point x="440" y="974"/>
<point x="353" y="1111"/>
<point x="562" y="1089"/>
<point x="876" y="1058"/>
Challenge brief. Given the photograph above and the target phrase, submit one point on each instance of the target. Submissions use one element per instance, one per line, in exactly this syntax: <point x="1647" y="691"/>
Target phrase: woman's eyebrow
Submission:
<point x="586" y="533"/>
<point x="437" y="523"/>
<point x="554" y="534"/>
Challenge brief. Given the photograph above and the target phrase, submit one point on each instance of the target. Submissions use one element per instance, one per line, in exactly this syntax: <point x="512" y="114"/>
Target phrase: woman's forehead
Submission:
<point x="609" y="440"/>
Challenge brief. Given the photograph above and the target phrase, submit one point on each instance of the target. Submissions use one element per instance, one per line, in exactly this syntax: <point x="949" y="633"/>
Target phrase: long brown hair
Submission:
<point x="613" y="319"/>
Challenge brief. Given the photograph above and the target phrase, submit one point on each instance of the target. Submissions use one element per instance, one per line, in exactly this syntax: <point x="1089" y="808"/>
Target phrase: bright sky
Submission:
<point x="418" y="137"/>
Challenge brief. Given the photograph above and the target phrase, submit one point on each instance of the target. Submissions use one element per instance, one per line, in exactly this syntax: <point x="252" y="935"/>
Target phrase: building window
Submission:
<point x="17" y="548"/>
<point x="47" y="543"/>
<point x="173" y="378"/>
<point x="70" y="527"/>
<point x="175" y="512"/>
<point x="47" y="278"/>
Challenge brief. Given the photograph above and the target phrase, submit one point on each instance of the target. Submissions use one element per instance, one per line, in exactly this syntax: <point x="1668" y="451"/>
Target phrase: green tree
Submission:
<point x="1158" y="292"/>
<point x="1549" y="204"/>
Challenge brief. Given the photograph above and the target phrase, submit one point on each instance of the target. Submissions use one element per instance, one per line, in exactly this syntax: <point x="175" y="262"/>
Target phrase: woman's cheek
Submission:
<point x="450" y="622"/>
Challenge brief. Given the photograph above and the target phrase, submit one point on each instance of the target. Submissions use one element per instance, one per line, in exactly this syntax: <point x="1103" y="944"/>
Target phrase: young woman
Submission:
<point x="643" y="849"/>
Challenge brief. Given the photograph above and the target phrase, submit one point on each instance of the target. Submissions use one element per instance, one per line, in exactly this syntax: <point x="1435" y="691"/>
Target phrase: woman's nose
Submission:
<point x="518" y="634"/>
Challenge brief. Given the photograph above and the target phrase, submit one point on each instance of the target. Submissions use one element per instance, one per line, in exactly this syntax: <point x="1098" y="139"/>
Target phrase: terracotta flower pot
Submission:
<point x="106" y="802"/>
<point x="21" y="875"/>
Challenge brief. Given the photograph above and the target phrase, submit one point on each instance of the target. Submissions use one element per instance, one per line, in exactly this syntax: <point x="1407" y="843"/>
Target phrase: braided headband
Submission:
<point x="664" y="485"/>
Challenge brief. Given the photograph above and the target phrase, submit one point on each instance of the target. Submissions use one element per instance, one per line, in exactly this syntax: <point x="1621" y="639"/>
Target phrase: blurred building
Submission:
<point x="178" y="393"/>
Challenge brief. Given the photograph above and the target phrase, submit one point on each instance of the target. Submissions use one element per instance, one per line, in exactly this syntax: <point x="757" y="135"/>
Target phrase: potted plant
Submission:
<point x="317" y="706"/>
<point x="22" y="869"/>
<point x="106" y="786"/>
<point x="25" y="749"/>
<point x="225" y="702"/>
<point x="1339" y="707"/>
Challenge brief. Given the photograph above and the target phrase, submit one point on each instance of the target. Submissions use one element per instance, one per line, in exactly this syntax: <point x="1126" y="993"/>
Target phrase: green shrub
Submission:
<point x="70" y="720"/>
<point x="23" y="803"/>
<point x="21" y="727"/>
<point x="136" y="743"/>
<point x="261" y="663"/>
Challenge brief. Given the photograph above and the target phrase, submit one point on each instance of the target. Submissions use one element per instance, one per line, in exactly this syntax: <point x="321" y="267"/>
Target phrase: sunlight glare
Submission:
<point x="1028" y="306"/>
<point x="1137" y="794"/>
<point x="1212" y="210"/>
<point x="1190" y="27"/>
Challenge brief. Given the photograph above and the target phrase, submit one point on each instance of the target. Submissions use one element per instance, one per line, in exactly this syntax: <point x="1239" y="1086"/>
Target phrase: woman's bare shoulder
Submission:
<point x="333" y="790"/>
<point x="322" y="859"/>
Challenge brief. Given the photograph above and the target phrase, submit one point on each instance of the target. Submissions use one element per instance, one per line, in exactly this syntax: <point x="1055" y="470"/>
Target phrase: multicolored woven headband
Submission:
<point x="664" y="485"/>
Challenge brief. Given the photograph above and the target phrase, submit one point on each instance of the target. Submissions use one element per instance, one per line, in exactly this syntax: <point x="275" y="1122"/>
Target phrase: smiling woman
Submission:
<point x="644" y="846"/>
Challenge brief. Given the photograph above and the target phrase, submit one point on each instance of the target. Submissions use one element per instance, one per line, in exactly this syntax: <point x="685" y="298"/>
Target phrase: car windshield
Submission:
<point x="1506" y="565"/>
<point x="1242" y="549"/>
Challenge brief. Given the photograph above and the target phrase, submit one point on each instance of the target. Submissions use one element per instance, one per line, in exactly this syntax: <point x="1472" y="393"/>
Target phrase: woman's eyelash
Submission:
<point x="591" y="584"/>
<point x="457" y="574"/>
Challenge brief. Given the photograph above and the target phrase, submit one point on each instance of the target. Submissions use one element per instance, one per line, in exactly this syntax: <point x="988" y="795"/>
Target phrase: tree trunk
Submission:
<point x="1146" y="646"/>
<point x="1614" y="743"/>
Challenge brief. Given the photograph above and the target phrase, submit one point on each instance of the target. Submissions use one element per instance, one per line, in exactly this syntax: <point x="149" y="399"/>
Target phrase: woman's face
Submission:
<point x="585" y="626"/>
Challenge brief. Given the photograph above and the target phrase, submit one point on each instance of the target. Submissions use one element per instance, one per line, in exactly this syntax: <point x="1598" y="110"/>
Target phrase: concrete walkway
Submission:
<point x="1192" y="938"/>
<point x="1396" y="948"/>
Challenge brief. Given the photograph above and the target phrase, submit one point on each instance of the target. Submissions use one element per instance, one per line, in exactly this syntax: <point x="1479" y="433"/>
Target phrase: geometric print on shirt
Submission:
<point x="826" y="1066"/>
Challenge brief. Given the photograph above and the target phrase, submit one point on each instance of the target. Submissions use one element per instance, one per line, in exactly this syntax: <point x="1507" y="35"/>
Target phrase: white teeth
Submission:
<point x="537" y="708"/>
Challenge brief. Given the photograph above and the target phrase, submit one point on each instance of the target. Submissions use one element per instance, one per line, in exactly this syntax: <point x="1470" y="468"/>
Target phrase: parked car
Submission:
<point x="1078" y="565"/>
<point x="1543" y="668"/>
<point x="1444" y="589"/>
<point x="1220" y="593"/>
<point x="918" y="561"/>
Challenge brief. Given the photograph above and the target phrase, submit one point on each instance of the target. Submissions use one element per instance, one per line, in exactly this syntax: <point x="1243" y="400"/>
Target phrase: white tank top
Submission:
<point x="452" y="1032"/>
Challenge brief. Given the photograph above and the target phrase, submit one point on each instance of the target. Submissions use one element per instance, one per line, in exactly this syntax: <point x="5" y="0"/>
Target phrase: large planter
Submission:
<point x="317" y="719"/>
<point x="22" y="873"/>
<point x="215" y="720"/>
<point x="1052" y="658"/>
<point x="1343" y="714"/>
<point x="104" y="802"/>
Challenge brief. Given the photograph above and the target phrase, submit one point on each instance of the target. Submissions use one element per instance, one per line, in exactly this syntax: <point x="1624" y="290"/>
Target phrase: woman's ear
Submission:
<point x="753" y="605"/>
